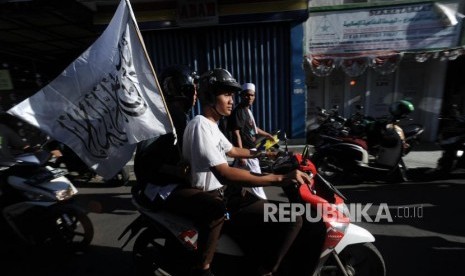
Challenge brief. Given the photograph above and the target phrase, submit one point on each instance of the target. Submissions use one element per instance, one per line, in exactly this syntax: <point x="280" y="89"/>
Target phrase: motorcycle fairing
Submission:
<point x="182" y="228"/>
<point x="185" y="231"/>
<point x="354" y="234"/>
<point x="335" y="220"/>
<point x="49" y="187"/>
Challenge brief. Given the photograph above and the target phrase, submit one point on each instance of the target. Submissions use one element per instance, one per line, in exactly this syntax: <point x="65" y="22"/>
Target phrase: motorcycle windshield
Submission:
<point x="329" y="186"/>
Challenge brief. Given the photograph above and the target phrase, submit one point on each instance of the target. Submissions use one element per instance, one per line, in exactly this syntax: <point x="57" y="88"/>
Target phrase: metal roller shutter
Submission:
<point x="258" y="53"/>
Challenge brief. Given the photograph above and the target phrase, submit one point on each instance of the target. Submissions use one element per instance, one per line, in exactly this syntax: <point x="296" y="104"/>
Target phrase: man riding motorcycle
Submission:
<point x="206" y="148"/>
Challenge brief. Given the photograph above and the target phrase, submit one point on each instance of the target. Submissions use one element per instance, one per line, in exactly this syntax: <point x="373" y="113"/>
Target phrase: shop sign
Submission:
<point x="197" y="12"/>
<point x="400" y="28"/>
<point x="5" y="80"/>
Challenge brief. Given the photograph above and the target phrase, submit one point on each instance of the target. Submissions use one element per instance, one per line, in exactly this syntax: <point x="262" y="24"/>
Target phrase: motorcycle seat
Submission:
<point x="331" y="139"/>
<point x="357" y="141"/>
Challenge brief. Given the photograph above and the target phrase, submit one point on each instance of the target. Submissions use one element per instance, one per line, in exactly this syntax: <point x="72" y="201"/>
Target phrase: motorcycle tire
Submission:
<point x="447" y="162"/>
<point x="152" y="255"/>
<point x="70" y="228"/>
<point x="120" y="179"/>
<point x="362" y="259"/>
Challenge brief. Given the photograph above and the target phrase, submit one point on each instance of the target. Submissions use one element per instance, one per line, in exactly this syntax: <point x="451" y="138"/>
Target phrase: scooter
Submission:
<point x="37" y="209"/>
<point x="367" y="128"/>
<point x="451" y="139"/>
<point x="166" y="242"/>
<point x="376" y="153"/>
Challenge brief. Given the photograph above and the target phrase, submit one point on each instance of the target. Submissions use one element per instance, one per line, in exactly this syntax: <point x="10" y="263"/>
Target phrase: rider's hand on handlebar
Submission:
<point x="269" y="137"/>
<point x="271" y="154"/>
<point x="296" y="177"/>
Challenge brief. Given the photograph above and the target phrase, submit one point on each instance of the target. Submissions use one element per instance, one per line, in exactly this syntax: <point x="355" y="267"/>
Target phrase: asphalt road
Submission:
<point x="425" y="237"/>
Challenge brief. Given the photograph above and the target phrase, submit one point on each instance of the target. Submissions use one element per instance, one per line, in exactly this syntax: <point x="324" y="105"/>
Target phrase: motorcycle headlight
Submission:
<point x="58" y="195"/>
<point x="65" y="194"/>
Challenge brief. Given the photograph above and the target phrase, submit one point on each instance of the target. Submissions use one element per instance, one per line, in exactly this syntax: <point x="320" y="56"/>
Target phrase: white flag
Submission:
<point x="105" y="102"/>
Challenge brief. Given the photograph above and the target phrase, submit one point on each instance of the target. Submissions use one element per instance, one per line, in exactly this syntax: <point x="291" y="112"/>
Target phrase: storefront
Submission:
<point x="373" y="56"/>
<point x="257" y="41"/>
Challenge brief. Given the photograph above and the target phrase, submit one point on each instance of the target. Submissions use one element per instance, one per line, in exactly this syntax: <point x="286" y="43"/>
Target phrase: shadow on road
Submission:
<point x="96" y="261"/>
<point x="430" y="242"/>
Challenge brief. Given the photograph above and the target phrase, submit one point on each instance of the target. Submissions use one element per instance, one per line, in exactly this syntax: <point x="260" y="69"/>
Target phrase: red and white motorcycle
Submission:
<point x="338" y="247"/>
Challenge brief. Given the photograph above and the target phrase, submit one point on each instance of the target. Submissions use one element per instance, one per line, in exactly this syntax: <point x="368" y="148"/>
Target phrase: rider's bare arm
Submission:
<point x="233" y="176"/>
<point x="237" y="134"/>
<point x="236" y="152"/>
<point x="261" y="132"/>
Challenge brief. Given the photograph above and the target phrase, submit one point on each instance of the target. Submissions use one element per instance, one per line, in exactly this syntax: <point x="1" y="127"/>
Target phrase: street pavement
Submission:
<point x="428" y="243"/>
<point x="423" y="155"/>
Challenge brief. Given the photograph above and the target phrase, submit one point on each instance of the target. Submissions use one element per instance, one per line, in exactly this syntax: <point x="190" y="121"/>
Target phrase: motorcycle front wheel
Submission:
<point x="357" y="260"/>
<point x="70" y="229"/>
<point x="120" y="179"/>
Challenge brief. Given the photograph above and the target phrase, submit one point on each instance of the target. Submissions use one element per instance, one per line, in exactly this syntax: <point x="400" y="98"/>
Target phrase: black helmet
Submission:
<point x="401" y="108"/>
<point x="215" y="81"/>
<point x="178" y="82"/>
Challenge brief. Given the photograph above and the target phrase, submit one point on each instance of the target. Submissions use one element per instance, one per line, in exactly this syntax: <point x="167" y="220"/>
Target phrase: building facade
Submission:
<point x="401" y="66"/>
<point x="257" y="41"/>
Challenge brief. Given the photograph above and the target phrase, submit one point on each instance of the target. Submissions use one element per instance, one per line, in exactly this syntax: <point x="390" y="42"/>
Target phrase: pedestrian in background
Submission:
<point x="245" y="132"/>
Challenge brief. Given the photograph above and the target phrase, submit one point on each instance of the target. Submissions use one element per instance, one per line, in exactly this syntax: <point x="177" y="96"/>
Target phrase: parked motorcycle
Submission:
<point x="374" y="151"/>
<point x="167" y="242"/>
<point x="368" y="128"/>
<point x="37" y="207"/>
<point x="451" y="138"/>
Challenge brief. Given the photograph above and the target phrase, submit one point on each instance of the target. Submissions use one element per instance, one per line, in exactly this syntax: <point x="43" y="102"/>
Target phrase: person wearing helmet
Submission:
<point x="206" y="148"/>
<point x="160" y="172"/>
<point x="400" y="109"/>
<point x="178" y="84"/>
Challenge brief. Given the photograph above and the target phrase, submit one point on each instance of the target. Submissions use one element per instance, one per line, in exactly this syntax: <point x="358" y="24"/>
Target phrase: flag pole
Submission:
<point x="134" y="23"/>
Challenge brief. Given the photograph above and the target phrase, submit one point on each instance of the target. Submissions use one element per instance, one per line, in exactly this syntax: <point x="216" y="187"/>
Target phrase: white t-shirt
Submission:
<point x="204" y="146"/>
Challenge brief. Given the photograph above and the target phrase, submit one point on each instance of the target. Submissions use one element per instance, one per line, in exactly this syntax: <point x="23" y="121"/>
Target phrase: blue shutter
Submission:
<point x="258" y="53"/>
